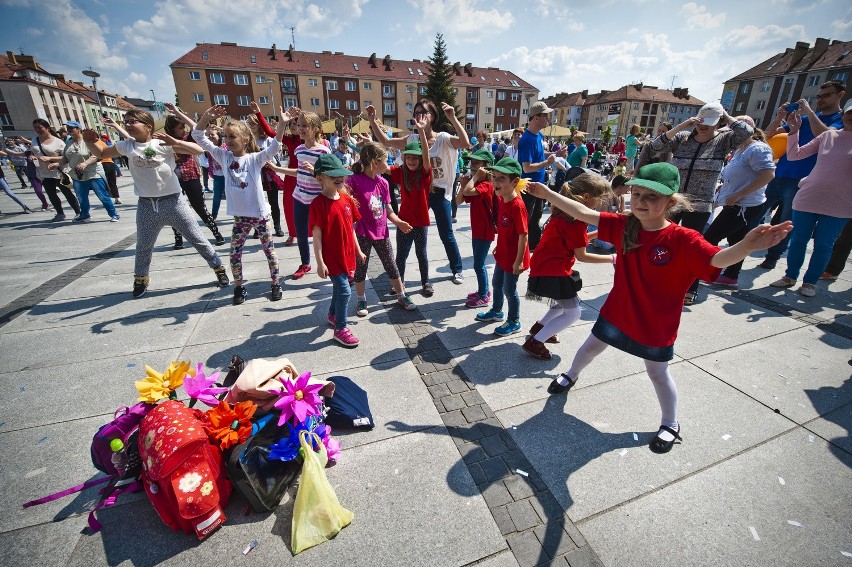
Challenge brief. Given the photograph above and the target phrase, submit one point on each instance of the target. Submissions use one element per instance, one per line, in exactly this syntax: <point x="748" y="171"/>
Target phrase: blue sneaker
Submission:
<point x="490" y="315"/>
<point x="508" y="328"/>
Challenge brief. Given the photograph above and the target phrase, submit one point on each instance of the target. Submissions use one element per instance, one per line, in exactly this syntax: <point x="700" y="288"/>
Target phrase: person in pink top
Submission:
<point x="823" y="203"/>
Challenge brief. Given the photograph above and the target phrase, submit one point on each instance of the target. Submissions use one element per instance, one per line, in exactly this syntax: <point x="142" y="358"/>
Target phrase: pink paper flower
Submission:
<point x="200" y="387"/>
<point x="332" y="446"/>
<point x="298" y="399"/>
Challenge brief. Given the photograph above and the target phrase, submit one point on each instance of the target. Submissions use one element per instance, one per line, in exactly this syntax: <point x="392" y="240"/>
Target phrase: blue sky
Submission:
<point x="558" y="46"/>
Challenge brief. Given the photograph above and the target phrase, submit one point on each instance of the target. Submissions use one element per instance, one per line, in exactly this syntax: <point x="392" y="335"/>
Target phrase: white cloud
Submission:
<point x="35" y="32"/>
<point x="138" y="78"/>
<point x="842" y="27"/>
<point x="460" y="20"/>
<point x="750" y="37"/>
<point x="697" y="16"/>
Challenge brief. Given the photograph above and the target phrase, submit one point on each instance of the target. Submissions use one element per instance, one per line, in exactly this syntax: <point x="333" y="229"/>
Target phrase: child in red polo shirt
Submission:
<point x="512" y="254"/>
<point x="657" y="261"/>
<point x="331" y="217"/>
<point x="479" y="192"/>
<point x="552" y="277"/>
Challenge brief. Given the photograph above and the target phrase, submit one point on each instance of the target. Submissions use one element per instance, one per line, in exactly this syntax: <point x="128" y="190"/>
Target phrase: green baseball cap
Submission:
<point x="663" y="178"/>
<point x="507" y="165"/>
<point x="329" y="164"/>
<point x="413" y="149"/>
<point x="480" y="155"/>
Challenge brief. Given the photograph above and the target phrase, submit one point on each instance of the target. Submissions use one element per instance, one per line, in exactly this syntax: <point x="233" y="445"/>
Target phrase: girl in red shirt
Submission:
<point x="512" y="254"/>
<point x="479" y="192"/>
<point x="415" y="181"/>
<point x="331" y="218"/>
<point x="657" y="261"/>
<point x="552" y="277"/>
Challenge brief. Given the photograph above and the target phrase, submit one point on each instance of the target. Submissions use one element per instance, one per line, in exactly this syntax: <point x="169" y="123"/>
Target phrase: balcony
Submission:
<point x="389" y="111"/>
<point x="289" y="89"/>
<point x="388" y="94"/>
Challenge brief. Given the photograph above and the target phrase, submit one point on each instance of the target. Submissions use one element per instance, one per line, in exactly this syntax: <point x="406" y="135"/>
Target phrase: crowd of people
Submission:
<point x="656" y="208"/>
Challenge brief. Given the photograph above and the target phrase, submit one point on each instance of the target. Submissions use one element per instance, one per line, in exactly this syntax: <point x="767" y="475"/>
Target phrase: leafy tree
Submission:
<point x="439" y="82"/>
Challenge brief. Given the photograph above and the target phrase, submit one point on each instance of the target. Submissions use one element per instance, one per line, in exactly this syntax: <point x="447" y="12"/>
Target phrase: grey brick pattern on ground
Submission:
<point x="535" y="526"/>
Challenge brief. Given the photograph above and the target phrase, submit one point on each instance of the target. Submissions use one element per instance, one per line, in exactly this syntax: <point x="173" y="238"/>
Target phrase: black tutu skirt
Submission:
<point x="548" y="289"/>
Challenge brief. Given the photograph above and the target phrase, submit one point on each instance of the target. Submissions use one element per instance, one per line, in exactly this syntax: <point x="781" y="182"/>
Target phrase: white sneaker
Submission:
<point x="458" y="278"/>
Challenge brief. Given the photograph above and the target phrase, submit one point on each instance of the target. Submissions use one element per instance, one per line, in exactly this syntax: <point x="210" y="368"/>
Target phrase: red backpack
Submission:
<point x="182" y="472"/>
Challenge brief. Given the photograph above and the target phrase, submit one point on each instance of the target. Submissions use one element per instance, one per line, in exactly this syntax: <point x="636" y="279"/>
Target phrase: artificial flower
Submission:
<point x="155" y="386"/>
<point x="332" y="446"/>
<point x="521" y="185"/>
<point x="200" y="387"/>
<point x="229" y="426"/>
<point x="299" y="399"/>
<point x="287" y="448"/>
<point x="190" y="482"/>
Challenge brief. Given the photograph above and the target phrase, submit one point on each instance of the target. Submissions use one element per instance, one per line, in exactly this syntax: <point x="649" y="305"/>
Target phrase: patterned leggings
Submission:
<point x="384" y="250"/>
<point x="242" y="228"/>
<point x="403" y="247"/>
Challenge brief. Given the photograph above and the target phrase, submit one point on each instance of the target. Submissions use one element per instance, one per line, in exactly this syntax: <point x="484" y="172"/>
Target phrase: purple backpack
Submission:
<point x="122" y="467"/>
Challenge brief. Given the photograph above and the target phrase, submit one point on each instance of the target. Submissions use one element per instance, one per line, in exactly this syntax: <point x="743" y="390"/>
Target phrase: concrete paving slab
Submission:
<point x="390" y="528"/>
<point x="744" y="513"/>
<point x="46" y="545"/>
<point x="787" y="372"/>
<point x="600" y="464"/>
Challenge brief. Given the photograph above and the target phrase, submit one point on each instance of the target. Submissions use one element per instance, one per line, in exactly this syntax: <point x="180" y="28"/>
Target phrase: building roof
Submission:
<point x="227" y="55"/>
<point x="564" y="100"/>
<point x="802" y="58"/>
<point x="14" y="67"/>
<point x="640" y="93"/>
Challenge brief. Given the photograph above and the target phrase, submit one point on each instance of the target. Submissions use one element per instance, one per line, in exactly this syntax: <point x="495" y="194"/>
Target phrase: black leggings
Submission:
<point x="50" y="185"/>
<point x="417" y="236"/>
<point x="695" y="221"/>
<point x="109" y="170"/>
<point x="272" y="197"/>
<point x="733" y="223"/>
<point x="195" y="194"/>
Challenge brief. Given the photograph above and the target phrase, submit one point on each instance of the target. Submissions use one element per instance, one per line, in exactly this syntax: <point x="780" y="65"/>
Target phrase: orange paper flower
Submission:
<point x="229" y="426"/>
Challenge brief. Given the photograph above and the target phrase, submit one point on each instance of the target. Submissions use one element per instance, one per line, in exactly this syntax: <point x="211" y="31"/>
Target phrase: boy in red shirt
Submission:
<point x="479" y="192"/>
<point x="512" y="254"/>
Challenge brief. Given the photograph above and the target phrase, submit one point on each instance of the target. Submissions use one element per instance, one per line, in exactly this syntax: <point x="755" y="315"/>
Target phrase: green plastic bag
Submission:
<point x="317" y="514"/>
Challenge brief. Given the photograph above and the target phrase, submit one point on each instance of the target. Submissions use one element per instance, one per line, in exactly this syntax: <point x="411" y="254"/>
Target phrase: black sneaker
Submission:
<point x="222" y="276"/>
<point x="275" y="295"/>
<point x="178" y="242"/>
<point x="140" y="286"/>
<point x="239" y="295"/>
<point x="768" y="263"/>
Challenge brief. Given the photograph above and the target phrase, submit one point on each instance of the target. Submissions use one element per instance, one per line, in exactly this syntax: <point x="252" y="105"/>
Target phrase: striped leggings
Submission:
<point x="242" y="228"/>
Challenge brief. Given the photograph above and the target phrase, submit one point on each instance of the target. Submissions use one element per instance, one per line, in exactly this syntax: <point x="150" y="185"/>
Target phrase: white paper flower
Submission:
<point x="190" y="482"/>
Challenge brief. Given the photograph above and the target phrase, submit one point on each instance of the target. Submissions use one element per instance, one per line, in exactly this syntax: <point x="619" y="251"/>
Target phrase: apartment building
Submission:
<point x="568" y="107"/>
<point x="640" y="104"/>
<point x="336" y="85"/>
<point x="792" y="75"/>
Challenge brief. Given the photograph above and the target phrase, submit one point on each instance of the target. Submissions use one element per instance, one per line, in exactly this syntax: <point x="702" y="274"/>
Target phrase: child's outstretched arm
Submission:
<point x="180" y="115"/>
<point x="583" y="256"/>
<point x="460" y="141"/>
<point x="420" y="123"/>
<point x="210" y="113"/>
<point x="577" y="210"/>
<point x="759" y="238"/>
<point x="179" y="146"/>
<point x="379" y="134"/>
<point x="322" y="269"/>
<point x="264" y="125"/>
<point x="91" y="138"/>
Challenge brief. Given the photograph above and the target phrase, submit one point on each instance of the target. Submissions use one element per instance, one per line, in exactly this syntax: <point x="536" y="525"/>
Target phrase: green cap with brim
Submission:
<point x="507" y="165"/>
<point x="480" y="155"/>
<point x="662" y="178"/>
<point x="413" y="149"/>
<point x="329" y="164"/>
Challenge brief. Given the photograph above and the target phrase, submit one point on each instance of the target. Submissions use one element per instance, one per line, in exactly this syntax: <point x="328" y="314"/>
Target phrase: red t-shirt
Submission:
<point x="511" y="223"/>
<point x="335" y="218"/>
<point x="482" y="211"/>
<point x="554" y="255"/>
<point x="291" y="143"/>
<point x="646" y="299"/>
<point x="414" y="208"/>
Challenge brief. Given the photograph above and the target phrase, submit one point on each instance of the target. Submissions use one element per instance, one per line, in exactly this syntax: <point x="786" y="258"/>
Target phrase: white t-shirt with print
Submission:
<point x="444" y="158"/>
<point x="153" y="173"/>
<point x="51" y="149"/>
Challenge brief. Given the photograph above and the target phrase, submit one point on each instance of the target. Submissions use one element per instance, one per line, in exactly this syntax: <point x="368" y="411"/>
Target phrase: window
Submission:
<point x="813" y="81"/>
<point x="243" y="100"/>
<point x="501" y="95"/>
<point x="351" y="105"/>
<point x="487" y="126"/>
<point x="525" y="111"/>
<point x="197" y="97"/>
<point x="316" y="63"/>
<point x="765" y="86"/>
<point x="331" y="85"/>
<point x="469" y="126"/>
<point x="744" y="88"/>
<point x="194" y="76"/>
<point x="263" y="100"/>
<point x="355" y="66"/>
<point x="840" y="77"/>
<point x="217" y="78"/>
<point x="633" y="120"/>
<point x="501" y="111"/>
<point x="334" y="104"/>
<point x="367" y="86"/>
<point x="489" y="94"/>
<point x="240" y="79"/>
<point x="761" y="104"/>
<point x="471" y="109"/>
<point x="313" y="83"/>
<point x="471" y="95"/>
<point x="254" y="59"/>
<point x="368" y="102"/>
<point x="635" y="106"/>
<point x="662" y="108"/>
<point x="513" y="112"/>
<point x="489" y="110"/>
<point x="389" y="108"/>
<point x="499" y="126"/>
<point x="423" y="90"/>
<point x="409" y="106"/>
<point x="220" y="99"/>
<point x="289" y="102"/>
<point x="756" y="122"/>
<point x="516" y="96"/>
<point x="387" y="90"/>
<point x="204" y="55"/>
<point x="740" y="106"/>
<point x="351" y="86"/>
<point x="288" y="85"/>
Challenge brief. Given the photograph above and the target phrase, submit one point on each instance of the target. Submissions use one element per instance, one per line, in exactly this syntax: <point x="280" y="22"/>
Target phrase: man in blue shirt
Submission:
<point x="534" y="161"/>
<point x="784" y="186"/>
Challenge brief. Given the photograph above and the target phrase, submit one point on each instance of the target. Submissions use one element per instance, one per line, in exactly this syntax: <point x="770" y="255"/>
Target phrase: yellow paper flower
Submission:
<point x="521" y="185"/>
<point x="155" y="386"/>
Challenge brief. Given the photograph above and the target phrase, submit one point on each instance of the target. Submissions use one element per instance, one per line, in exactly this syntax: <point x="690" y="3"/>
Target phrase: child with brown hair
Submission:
<point x="479" y="192"/>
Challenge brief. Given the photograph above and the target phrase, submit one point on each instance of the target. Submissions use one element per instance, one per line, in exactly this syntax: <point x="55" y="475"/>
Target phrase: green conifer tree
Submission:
<point x="439" y="82"/>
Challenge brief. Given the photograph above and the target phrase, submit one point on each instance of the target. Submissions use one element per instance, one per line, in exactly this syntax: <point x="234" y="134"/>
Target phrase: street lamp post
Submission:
<point x="154" y="96"/>
<point x="94" y="76"/>
<point x="269" y="81"/>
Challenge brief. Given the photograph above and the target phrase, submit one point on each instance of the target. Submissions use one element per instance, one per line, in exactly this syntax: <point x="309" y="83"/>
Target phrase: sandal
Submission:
<point x="691" y="298"/>
<point x="556" y="388"/>
<point x="659" y="446"/>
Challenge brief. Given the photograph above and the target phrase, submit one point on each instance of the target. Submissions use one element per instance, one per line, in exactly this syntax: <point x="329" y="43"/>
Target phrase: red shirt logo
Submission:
<point x="659" y="255"/>
<point x="505" y="220"/>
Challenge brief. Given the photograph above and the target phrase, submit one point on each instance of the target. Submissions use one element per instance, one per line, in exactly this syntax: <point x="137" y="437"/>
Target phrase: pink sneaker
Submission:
<point x="475" y="295"/>
<point x="725" y="282"/>
<point x="332" y="320"/>
<point x="345" y="337"/>
<point x="477" y="301"/>
<point x="303" y="269"/>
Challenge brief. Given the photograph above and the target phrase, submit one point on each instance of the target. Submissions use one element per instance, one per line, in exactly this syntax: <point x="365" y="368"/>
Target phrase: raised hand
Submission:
<point x="255" y="108"/>
<point x="448" y="110"/>
<point x="371" y="112"/>
<point x="766" y="236"/>
<point x="537" y="189"/>
<point x="216" y="111"/>
<point x="307" y="166"/>
<point x="421" y="122"/>
<point x="165" y="139"/>
<point x="171" y="107"/>
<point x="90" y="136"/>
<point x="794" y="121"/>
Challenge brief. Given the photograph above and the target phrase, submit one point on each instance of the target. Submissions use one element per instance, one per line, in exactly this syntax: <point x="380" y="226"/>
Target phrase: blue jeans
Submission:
<point x="480" y="253"/>
<point x="300" y="216"/>
<point x="339" y="299"/>
<point x="98" y="185"/>
<point x="825" y="230"/>
<point x="506" y="284"/>
<point x="780" y="192"/>
<point x="444" y="221"/>
<point x="218" y="193"/>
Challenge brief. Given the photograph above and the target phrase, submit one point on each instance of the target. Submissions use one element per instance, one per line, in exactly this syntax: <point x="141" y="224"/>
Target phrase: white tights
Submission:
<point x="664" y="386"/>
<point x="561" y="315"/>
